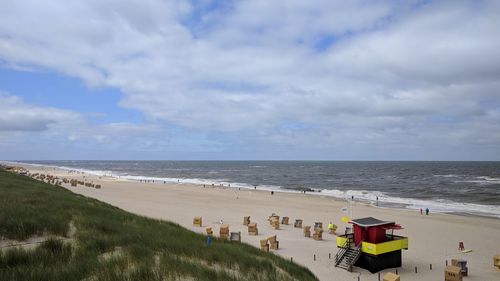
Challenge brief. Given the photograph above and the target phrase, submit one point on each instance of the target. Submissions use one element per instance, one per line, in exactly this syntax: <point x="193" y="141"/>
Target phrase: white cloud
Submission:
<point x="345" y="71"/>
<point x="16" y="115"/>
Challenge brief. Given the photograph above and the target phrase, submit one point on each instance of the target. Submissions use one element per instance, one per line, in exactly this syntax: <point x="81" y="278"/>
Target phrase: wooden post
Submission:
<point x="291" y="259"/>
<point x="329" y="255"/>
<point x="430" y="266"/>
<point x="379" y="276"/>
<point x="416" y="269"/>
<point x="446" y="262"/>
<point x="396" y="271"/>
<point x="314" y="256"/>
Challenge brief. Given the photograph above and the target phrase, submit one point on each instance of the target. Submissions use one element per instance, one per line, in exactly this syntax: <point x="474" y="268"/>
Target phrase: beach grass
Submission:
<point x="91" y="240"/>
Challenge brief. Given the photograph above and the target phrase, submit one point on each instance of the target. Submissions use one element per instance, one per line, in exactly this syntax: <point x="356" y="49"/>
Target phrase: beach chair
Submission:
<point x="318" y="234"/>
<point x="273" y="242"/>
<point x="224" y="232"/>
<point x="197" y="221"/>
<point x="264" y="245"/>
<point x="389" y="276"/>
<point x="285" y="220"/>
<point x="246" y="220"/>
<point x="209" y="231"/>
<point x="272" y="217"/>
<point x="252" y="229"/>
<point x="496" y="261"/>
<point x="452" y="273"/>
<point x="307" y="231"/>
<point x="235" y="236"/>
<point x="275" y="223"/>
<point x="318" y="225"/>
<point x="298" y="223"/>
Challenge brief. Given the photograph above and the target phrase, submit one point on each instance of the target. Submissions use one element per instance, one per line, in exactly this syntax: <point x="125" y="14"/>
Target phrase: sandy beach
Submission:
<point x="432" y="239"/>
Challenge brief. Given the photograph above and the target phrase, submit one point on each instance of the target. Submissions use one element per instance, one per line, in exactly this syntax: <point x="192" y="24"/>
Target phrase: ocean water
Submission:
<point x="465" y="187"/>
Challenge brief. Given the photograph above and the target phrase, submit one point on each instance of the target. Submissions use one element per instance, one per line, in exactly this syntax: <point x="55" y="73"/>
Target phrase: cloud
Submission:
<point x="16" y="115"/>
<point x="370" y="72"/>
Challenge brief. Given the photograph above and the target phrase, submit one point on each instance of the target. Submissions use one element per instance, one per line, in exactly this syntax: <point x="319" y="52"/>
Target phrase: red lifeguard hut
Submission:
<point x="372" y="245"/>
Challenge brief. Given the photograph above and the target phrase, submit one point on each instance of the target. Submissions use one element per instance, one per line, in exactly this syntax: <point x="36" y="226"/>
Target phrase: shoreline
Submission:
<point x="432" y="239"/>
<point x="315" y="192"/>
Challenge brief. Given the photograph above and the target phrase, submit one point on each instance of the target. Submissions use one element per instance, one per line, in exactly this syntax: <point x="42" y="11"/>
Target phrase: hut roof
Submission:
<point x="370" y="221"/>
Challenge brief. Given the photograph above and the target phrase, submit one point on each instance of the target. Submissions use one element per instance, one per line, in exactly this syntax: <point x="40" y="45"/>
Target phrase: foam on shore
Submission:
<point x="375" y="198"/>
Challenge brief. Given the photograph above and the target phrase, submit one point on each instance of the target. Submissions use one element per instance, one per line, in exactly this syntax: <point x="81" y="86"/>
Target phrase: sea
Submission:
<point x="444" y="187"/>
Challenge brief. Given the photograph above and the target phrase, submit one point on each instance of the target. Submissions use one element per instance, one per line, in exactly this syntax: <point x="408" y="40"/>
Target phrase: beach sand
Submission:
<point x="432" y="239"/>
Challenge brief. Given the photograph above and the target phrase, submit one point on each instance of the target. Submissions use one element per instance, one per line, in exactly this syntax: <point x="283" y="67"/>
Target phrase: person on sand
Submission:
<point x="427" y="211"/>
<point x="421" y="211"/>
<point x="330" y="228"/>
<point x="272" y="192"/>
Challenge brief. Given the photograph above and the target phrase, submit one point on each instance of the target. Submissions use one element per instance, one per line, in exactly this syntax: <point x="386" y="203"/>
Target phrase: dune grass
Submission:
<point x="111" y="244"/>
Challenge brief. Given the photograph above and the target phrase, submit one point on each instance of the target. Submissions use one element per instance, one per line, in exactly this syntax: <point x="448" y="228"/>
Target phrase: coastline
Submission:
<point x="433" y="238"/>
<point x="360" y="196"/>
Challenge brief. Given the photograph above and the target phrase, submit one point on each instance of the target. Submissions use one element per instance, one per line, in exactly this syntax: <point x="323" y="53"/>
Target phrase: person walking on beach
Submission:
<point x="330" y="228"/>
<point x="421" y="211"/>
<point x="427" y="211"/>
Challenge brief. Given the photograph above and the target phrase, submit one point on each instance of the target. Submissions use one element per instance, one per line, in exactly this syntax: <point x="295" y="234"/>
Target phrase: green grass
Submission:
<point x="111" y="244"/>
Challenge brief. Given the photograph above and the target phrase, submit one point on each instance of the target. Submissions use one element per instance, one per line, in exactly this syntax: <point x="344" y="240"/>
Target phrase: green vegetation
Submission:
<point x="96" y="241"/>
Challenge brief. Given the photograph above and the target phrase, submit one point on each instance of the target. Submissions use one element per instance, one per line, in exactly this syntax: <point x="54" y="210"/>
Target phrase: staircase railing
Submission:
<point x="343" y="249"/>
<point x="340" y="254"/>
<point x="352" y="260"/>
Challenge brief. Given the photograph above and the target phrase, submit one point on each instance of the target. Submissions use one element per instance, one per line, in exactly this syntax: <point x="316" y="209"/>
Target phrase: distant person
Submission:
<point x="421" y="211"/>
<point x="272" y="192"/>
<point x="427" y="211"/>
<point x="352" y="197"/>
<point x="255" y="187"/>
<point x="330" y="228"/>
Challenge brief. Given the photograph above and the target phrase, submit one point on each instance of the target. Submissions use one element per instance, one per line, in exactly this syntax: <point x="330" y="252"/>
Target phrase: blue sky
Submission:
<point x="46" y="88"/>
<point x="340" y="80"/>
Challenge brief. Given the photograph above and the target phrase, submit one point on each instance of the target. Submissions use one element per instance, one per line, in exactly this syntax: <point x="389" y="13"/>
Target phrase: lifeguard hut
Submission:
<point x="372" y="245"/>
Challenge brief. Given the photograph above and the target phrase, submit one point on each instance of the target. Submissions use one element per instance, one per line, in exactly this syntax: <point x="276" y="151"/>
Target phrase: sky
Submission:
<point x="248" y="80"/>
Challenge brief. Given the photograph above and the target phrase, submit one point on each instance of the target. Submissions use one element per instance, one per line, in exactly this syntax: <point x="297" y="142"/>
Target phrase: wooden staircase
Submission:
<point x="347" y="256"/>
